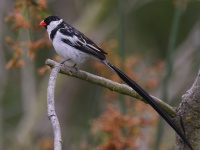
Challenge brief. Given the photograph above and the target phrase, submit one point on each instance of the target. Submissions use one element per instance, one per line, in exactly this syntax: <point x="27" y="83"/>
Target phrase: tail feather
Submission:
<point x="148" y="98"/>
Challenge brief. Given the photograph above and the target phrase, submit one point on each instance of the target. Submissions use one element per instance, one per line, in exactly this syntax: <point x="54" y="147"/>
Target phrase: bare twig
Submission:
<point x="113" y="86"/>
<point x="51" y="108"/>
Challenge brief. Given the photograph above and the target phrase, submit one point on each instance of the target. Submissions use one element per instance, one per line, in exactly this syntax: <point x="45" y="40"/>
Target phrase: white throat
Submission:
<point x="53" y="25"/>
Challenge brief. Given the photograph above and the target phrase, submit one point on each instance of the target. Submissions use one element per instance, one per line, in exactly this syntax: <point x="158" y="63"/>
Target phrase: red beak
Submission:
<point x="42" y="23"/>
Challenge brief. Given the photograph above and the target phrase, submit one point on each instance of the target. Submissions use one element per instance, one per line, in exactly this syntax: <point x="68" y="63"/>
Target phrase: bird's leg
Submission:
<point x="74" y="67"/>
<point x="63" y="61"/>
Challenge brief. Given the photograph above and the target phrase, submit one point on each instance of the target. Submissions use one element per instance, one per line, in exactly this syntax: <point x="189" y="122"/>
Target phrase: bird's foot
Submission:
<point x="74" y="67"/>
<point x="62" y="63"/>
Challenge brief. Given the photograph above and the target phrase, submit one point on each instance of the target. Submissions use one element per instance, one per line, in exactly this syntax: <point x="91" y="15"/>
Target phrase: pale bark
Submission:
<point x="111" y="85"/>
<point x="186" y="116"/>
<point x="51" y="108"/>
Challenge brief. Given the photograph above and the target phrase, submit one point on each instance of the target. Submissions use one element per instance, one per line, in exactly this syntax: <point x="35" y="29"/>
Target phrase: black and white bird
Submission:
<point x="74" y="46"/>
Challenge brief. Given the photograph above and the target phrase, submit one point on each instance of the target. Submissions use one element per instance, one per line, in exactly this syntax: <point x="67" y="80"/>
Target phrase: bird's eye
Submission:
<point x="55" y="19"/>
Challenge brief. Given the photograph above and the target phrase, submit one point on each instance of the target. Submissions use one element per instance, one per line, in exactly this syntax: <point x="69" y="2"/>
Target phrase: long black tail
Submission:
<point x="148" y="98"/>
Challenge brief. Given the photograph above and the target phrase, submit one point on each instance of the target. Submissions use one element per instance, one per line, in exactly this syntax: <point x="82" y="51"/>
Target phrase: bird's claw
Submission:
<point x="74" y="68"/>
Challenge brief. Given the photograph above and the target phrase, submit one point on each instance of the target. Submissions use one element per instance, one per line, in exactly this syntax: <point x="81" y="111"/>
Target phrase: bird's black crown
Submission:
<point x="49" y="19"/>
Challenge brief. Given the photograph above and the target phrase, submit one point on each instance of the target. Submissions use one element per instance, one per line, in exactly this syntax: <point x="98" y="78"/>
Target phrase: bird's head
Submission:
<point x="51" y="22"/>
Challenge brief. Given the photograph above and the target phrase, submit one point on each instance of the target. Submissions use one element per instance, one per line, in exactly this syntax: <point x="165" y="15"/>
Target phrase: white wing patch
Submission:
<point x="93" y="47"/>
<point x="86" y="44"/>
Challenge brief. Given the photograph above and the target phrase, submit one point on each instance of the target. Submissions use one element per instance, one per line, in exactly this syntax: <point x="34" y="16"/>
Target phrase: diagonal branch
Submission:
<point x="111" y="85"/>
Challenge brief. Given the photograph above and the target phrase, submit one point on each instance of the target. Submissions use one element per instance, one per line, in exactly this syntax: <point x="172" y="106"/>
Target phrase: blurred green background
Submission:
<point x="163" y="34"/>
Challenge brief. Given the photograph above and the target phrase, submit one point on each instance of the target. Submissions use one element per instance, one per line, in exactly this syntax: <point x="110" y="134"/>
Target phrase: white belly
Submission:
<point x="68" y="52"/>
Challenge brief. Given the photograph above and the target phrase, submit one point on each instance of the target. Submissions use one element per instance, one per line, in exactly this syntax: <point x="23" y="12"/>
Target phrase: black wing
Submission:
<point x="78" y="40"/>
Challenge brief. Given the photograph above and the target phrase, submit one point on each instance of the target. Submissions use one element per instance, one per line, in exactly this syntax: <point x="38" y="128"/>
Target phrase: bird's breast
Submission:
<point x="68" y="52"/>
